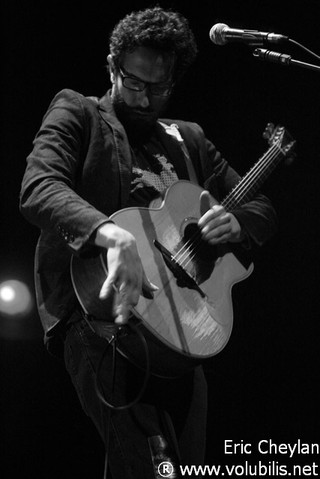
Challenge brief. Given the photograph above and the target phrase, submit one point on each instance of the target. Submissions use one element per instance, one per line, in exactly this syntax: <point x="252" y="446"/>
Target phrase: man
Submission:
<point x="91" y="158"/>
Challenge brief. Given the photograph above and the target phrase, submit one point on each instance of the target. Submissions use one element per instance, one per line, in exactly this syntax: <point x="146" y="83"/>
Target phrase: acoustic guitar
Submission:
<point x="190" y="317"/>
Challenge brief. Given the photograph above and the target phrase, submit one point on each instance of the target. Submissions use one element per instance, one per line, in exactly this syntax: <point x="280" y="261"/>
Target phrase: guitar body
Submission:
<point x="186" y="321"/>
<point x="190" y="317"/>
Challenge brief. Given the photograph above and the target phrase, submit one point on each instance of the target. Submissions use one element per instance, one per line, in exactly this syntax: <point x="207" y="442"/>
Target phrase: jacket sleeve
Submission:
<point x="47" y="197"/>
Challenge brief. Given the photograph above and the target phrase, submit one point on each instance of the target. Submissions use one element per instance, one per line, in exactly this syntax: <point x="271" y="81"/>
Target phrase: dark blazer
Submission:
<point x="79" y="173"/>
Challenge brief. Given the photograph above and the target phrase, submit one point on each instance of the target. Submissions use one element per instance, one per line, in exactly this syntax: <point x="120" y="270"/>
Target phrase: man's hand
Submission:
<point x="125" y="271"/>
<point x="216" y="224"/>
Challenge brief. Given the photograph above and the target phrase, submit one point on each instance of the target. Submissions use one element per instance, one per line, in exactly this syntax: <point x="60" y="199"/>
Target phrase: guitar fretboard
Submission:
<point x="252" y="181"/>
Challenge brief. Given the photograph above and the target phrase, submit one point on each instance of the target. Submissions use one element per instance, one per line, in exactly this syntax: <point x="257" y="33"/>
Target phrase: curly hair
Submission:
<point x="156" y="28"/>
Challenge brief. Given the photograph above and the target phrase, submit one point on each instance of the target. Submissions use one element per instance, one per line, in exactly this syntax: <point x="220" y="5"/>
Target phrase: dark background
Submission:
<point x="265" y="384"/>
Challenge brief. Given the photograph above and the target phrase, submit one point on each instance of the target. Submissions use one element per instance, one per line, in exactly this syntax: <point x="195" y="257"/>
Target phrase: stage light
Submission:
<point x="15" y="298"/>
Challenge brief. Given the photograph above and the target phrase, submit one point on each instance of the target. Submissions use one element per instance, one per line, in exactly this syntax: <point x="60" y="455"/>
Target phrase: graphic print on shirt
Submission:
<point x="151" y="177"/>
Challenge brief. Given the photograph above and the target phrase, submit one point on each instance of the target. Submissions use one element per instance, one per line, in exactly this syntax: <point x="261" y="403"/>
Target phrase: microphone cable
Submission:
<point x="304" y="48"/>
<point x="112" y="342"/>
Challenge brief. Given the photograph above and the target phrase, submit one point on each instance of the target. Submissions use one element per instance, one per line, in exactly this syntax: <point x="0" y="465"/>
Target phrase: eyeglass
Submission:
<point x="135" y="84"/>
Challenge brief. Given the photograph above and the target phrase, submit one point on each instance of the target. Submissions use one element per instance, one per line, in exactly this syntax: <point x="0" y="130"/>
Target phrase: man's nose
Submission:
<point x="144" y="101"/>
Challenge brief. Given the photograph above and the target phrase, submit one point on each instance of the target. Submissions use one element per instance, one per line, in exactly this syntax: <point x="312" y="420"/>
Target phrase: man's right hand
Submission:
<point x="125" y="270"/>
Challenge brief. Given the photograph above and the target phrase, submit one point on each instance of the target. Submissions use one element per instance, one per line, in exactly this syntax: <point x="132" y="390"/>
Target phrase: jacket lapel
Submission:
<point x="122" y="147"/>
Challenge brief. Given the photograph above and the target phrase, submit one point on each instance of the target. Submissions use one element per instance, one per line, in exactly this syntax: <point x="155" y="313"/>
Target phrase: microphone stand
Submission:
<point x="282" y="58"/>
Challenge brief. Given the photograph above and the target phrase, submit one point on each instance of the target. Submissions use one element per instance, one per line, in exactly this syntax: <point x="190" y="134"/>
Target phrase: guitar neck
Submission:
<point x="252" y="181"/>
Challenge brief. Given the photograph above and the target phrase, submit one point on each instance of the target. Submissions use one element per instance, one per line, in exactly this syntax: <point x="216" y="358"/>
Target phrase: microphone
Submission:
<point x="220" y="34"/>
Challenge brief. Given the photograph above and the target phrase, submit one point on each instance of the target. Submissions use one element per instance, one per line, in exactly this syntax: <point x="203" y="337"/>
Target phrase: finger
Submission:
<point x="107" y="287"/>
<point x="121" y="315"/>
<point x="148" y="288"/>
<point x="211" y="214"/>
<point x="121" y="308"/>
<point x="215" y="227"/>
<point x="128" y="294"/>
<point x="218" y="238"/>
<point x="204" y="202"/>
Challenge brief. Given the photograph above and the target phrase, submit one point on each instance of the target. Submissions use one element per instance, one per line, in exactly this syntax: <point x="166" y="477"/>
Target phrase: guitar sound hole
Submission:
<point x="203" y="254"/>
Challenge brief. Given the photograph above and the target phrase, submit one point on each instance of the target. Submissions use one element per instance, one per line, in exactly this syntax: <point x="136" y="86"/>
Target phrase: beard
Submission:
<point x="139" y="123"/>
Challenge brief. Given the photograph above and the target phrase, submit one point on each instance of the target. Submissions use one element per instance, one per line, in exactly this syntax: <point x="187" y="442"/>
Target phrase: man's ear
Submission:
<point x="111" y="68"/>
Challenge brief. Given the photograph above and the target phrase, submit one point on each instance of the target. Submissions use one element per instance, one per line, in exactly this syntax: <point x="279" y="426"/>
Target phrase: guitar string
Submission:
<point x="258" y="170"/>
<point x="185" y="248"/>
<point x="188" y="251"/>
<point x="191" y="243"/>
<point x="191" y="248"/>
<point x="237" y="194"/>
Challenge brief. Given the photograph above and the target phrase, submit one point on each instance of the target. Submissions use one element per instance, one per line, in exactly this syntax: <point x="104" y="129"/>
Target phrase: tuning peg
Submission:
<point x="291" y="154"/>
<point x="268" y="132"/>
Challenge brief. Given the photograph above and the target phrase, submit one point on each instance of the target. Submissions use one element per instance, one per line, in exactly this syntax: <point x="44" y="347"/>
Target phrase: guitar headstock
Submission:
<point x="279" y="137"/>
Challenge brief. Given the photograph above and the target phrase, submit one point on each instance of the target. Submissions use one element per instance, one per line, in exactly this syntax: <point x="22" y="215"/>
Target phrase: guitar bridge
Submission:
<point x="182" y="276"/>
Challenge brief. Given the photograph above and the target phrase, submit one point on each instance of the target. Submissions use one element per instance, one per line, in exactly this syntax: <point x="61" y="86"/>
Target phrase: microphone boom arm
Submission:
<point x="282" y="58"/>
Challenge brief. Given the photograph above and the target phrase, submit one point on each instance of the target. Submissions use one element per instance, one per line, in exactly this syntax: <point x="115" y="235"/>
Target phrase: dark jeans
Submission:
<point x="167" y="424"/>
